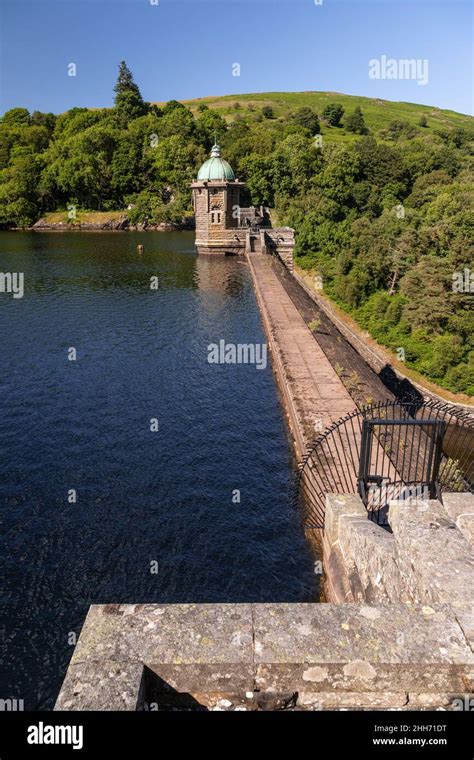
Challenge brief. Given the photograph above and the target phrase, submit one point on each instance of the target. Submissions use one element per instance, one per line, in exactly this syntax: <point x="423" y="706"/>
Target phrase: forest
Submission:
<point x="380" y="195"/>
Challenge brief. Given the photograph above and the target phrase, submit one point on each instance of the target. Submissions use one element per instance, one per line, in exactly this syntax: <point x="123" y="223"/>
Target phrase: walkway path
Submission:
<point x="314" y="395"/>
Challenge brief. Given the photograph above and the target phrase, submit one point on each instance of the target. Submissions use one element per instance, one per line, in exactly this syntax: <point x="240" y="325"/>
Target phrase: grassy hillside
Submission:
<point x="378" y="113"/>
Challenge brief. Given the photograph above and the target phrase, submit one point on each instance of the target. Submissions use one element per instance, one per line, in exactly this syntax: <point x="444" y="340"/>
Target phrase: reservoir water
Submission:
<point x="157" y="516"/>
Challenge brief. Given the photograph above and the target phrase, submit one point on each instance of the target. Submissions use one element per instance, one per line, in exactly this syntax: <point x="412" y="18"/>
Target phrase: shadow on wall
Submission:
<point x="403" y="390"/>
<point x="158" y="695"/>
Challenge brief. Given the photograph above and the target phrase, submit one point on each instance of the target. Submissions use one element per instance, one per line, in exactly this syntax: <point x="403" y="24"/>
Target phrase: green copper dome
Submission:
<point x="215" y="167"/>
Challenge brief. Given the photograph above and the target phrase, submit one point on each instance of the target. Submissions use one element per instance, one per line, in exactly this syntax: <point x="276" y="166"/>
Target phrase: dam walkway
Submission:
<point x="314" y="394"/>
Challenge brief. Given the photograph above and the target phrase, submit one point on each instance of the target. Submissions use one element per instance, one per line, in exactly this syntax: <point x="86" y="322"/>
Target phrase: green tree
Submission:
<point x="427" y="288"/>
<point x="268" y="112"/>
<point x="333" y="114"/>
<point x="177" y="120"/>
<point x="16" y="117"/>
<point x="398" y="129"/>
<point x="19" y="203"/>
<point x="175" y="159"/>
<point x="210" y="125"/>
<point x="307" y="118"/>
<point x="259" y="172"/>
<point x="128" y="100"/>
<point x="40" y="119"/>
<point x="341" y="168"/>
<point x="355" y="123"/>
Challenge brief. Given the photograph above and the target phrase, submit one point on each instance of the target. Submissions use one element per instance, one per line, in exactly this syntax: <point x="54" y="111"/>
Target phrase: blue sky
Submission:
<point x="186" y="48"/>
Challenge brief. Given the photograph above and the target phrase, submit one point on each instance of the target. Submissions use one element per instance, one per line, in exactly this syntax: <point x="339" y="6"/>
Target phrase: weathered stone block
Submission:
<point x="191" y="646"/>
<point x="102" y="686"/>
<point x="338" y="589"/>
<point x="338" y="505"/>
<point x="350" y="647"/>
<point x="464" y="614"/>
<point x="460" y="507"/>
<point x="435" y="560"/>
<point x="372" y="554"/>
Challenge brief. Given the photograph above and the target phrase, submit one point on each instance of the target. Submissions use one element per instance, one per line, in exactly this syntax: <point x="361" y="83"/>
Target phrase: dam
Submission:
<point x="182" y="575"/>
<point x="396" y="629"/>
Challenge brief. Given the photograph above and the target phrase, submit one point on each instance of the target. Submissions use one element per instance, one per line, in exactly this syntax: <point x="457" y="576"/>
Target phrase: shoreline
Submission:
<point x="90" y="228"/>
<point x="113" y="222"/>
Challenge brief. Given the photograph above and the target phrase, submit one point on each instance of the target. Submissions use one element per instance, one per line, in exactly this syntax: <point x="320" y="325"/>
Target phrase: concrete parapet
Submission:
<point x="268" y="656"/>
<point x="355" y="648"/>
<point x="425" y="559"/>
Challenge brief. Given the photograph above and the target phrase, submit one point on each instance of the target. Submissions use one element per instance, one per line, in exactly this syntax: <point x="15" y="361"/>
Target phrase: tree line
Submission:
<point x="385" y="218"/>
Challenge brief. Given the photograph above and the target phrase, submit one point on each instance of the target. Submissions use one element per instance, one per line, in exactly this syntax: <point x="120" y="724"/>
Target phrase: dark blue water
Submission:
<point x="142" y="497"/>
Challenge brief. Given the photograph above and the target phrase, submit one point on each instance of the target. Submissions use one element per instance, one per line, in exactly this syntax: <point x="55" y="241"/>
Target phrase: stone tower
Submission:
<point x="216" y="200"/>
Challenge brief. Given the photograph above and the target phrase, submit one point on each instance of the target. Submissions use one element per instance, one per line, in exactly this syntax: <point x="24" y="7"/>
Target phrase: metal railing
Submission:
<point x="387" y="451"/>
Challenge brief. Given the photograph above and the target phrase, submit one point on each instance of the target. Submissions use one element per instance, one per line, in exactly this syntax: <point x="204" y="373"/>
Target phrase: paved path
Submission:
<point x="313" y="393"/>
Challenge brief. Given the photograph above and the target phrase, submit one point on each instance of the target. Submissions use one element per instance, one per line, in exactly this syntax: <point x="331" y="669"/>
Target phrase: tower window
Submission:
<point x="215" y="217"/>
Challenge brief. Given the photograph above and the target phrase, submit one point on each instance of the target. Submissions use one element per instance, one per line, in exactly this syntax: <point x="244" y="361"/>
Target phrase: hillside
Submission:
<point x="377" y="113"/>
<point x="380" y="195"/>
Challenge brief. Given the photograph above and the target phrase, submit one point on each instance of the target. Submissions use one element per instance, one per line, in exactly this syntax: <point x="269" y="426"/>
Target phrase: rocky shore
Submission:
<point x="113" y="223"/>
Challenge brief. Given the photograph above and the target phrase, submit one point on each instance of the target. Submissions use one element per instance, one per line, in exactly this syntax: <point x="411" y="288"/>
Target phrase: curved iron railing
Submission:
<point x="389" y="450"/>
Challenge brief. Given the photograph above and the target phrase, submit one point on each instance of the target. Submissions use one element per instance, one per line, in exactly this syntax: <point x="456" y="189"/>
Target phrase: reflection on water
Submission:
<point x="142" y="497"/>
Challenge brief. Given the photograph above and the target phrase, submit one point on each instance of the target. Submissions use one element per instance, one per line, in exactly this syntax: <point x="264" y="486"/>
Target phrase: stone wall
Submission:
<point x="281" y="240"/>
<point x="428" y="557"/>
<point x="269" y="656"/>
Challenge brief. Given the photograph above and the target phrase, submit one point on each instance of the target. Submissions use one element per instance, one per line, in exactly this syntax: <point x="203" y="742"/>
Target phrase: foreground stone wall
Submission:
<point x="270" y="656"/>
<point x="427" y="558"/>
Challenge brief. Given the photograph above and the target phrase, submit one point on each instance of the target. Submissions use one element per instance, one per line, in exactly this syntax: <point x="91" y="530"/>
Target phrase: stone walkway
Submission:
<point x="313" y="392"/>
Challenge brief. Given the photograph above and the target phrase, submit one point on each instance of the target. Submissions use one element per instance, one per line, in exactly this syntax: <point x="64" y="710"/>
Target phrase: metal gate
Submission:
<point x="398" y="459"/>
<point x="385" y="452"/>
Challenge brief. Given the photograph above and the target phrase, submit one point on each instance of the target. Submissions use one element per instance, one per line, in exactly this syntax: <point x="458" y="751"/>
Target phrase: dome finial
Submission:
<point x="216" y="149"/>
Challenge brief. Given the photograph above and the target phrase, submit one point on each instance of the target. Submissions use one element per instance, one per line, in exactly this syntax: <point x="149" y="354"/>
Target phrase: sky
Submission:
<point x="181" y="49"/>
